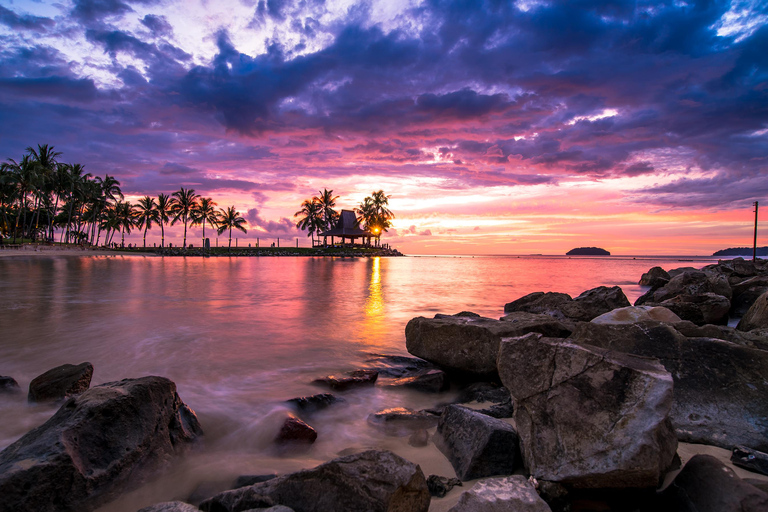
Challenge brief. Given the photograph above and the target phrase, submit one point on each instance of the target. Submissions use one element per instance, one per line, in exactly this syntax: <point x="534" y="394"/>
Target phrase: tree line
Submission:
<point x="317" y="214"/>
<point x="39" y="194"/>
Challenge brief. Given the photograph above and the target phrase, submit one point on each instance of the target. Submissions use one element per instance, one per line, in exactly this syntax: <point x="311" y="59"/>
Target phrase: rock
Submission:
<point x="483" y="392"/>
<point x="501" y="494"/>
<point x="314" y="403"/>
<point x="399" y="366"/>
<point x="583" y="308"/>
<point x="419" y="439"/>
<point x="61" y="382"/>
<point x="475" y="444"/>
<point x="688" y="282"/>
<point x="354" y="379"/>
<point x="400" y="421"/>
<point x="555" y="495"/>
<point x="439" y="486"/>
<point x="655" y="278"/>
<point x="375" y="481"/>
<point x="433" y="381"/>
<point x="634" y="314"/>
<point x="295" y="431"/>
<point x="170" y="506"/>
<point x="466" y="345"/>
<point x="752" y="460"/>
<point x="586" y="416"/>
<point x="244" y="480"/>
<point x="757" y="315"/>
<point x="760" y="484"/>
<point x="541" y="303"/>
<point x="746" y="292"/>
<point x="720" y="387"/>
<point x="752" y="339"/>
<point x="705" y="308"/>
<point x="707" y="485"/>
<point x="544" y="324"/>
<point x="9" y="385"/>
<point x="276" y="508"/>
<point x="502" y="410"/>
<point x="97" y="445"/>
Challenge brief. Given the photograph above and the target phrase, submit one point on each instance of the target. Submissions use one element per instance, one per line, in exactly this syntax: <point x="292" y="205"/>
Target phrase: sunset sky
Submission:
<point x="496" y="127"/>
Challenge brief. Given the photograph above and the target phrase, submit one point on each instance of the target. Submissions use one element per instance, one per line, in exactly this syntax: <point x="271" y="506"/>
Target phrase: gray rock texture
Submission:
<point x="634" y="314"/>
<point x="501" y="494"/>
<point x="586" y="416"/>
<point x="585" y="307"/>
<point x="655" y="277"/>
<point x="752" y="460"/>
<point x="689" y="282"/>
<point x="720" y="387"/>
<point x="757" y="315"/>
<point x="477" y="445"/>
<point x="701" y="309"/>
<point x="61" y="382"/>
<point x="375" y="481"/>
<point x="170" y="506"/>
<point x="97" y="445"/>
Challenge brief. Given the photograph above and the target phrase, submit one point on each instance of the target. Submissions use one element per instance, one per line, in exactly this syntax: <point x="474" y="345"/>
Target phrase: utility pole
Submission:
<point x="754" y="245"/>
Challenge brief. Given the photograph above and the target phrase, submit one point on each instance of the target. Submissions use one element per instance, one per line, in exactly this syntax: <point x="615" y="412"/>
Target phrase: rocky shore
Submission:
<point x="563" y="404"/>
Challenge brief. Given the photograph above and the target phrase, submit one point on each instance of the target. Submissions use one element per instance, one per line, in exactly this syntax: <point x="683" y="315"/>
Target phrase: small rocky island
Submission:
<point x="588" y="251"/>
<point x="741" y="251"/>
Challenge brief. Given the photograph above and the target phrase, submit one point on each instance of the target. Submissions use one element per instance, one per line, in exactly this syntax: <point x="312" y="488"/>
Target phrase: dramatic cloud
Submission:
<point x="489" y="110"/>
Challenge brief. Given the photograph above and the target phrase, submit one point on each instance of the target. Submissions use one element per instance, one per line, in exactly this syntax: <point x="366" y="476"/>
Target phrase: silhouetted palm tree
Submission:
<point x="126" y="218"/>
<point x="203" y="211"/>
<point x="183" y="202"/>
<point x="228" y="219"/>
<point x="164" y="204"/>
<point x="310" y="218"/>
<point x="327" y="201"/>
<point x="146" y="214"/>
<point x="374" y="213"/>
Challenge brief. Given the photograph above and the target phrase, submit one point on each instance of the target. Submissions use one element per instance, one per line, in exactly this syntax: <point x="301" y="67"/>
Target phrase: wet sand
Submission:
<point x="29" y="250"/>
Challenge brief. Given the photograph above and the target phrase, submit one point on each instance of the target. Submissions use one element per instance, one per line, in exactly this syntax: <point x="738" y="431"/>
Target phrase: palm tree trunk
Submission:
<point x="145" y="234"/>
<point x="185" y="233"/>
<point x="162" y="234"/>
<point x="230" y="239"/>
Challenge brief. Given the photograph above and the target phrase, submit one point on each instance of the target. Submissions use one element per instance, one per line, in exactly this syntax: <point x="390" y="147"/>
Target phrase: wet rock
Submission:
<point x="245" y="480"/>
<point x="752" y="460"/>
<point x="655" y="278"/>
<point x="475" y="444"/>
<point x="502" y="410"/>
<point x="544" y="324"/>
<point x="466" y="345"/>
<point x="585" y="307"/>
<point x="433" y="381"/>
<point x="170" y="506"/>
<point x="705" y="308"/>
<point x="483" y="392"/>
<point x="313" y="403"/>
<point x="399" y="366"/>
<point x="540" y="303"/>
<point x="295" y="431"/>
<point x="61" y="382"/>
<point x="757" y="315"/>
<point x="501" y="494"/>
<point x="400" y="421"/>
<point x="8" y="385"/>
<point x="752" y="339"/>
<point x="353" y="379"/>
<point x="97" y="445"/>
<point x="419" y="439"/>
<point x="746" y="292"/>
<point x="707" y="485"/>
<point x="634" y="314"/>
<point x="586" y="416"/>
<point x="375" y="481"/>
<point x="720" y="387"/>
<point x="439" y="486"/>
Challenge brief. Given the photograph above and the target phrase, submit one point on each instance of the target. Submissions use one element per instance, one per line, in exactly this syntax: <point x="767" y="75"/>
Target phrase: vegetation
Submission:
<point x="39" y="194"/>
<point x="741" y="251"/>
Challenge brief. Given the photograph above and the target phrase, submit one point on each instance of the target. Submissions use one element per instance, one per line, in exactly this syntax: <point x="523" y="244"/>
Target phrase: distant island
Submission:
<point x="588" y="251"/>
<point x="741" y="251"/>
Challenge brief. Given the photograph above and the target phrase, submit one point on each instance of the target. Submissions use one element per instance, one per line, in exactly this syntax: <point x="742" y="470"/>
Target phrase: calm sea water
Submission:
<point x="241" y="335"/>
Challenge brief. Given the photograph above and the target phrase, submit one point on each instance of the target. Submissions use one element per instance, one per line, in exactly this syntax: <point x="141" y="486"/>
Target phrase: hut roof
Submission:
<point x="347" y="226"/>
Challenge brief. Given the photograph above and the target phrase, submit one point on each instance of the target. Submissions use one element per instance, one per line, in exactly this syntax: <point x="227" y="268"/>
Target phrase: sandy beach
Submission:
<point x="48" y="250"/>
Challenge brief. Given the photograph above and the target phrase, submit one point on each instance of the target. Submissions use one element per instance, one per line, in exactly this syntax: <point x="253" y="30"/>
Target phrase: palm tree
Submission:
<point x="164" y="204"/>
<point x="327" y="201"/>
<point x="375" y="214"/>
<point x="312" y="219"/>
<point x="146" y="214"/>
<point x="126" y="218"/>
<point x="203" y="211"/>
<point x="228" y="219"/>
<point x="183" y="202"/>
<point x="77" y="183"/>
<point x="44" y="158"/>
<point x="26" y="179"/>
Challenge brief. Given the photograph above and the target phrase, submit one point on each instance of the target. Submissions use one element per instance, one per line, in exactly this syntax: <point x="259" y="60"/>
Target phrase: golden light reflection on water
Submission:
<point x="372" y="328"/>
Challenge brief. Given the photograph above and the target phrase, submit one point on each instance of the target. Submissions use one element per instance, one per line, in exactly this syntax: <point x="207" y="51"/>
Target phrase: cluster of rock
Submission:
<point x="590" y="398"/>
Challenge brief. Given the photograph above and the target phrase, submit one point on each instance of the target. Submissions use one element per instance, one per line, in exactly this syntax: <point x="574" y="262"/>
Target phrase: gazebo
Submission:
<point x="348" y="228"/>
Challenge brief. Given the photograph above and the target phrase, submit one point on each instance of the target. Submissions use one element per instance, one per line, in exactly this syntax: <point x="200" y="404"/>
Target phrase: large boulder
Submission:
<point x="746" y="292"/>
<point x="375" y="481"/>
<point x="634" y="314"/>
<point x="540" y="303"/>
<point x="753" y="339"/>
<point x="702" y="309"/>
<point x="756" y="316"/>
<point x="720" y="387"/>
<point x="535" y="322"/>
<point x="501" y="494"/>
<point x="170" y="506"/>
<point x="467" y="344"/>
<point x="583" y="308"/>
<point x="586" y="416"/>
<point x="98" y="444"/>
<point x="688" y="282"/>
<point x="655" y="278"/>
<point x="61" y="382"/>
<point x="475" y="444"/>
<point x="707" y="485"/>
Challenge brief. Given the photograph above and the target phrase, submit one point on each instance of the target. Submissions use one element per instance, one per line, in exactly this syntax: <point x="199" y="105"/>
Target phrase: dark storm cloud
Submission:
<point x="281" y="227"/>
<point x="157" y="24"/>
<point x="24" y="21"/>
<point x="96" y="10"/>
<point x="717" y="192"/>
